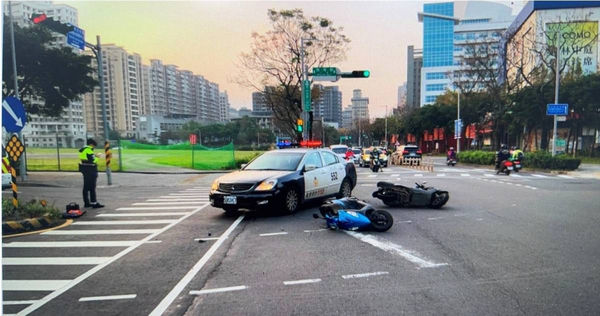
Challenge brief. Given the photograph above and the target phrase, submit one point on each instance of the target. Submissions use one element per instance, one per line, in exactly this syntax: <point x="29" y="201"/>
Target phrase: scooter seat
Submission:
<point x="384" y="184"/>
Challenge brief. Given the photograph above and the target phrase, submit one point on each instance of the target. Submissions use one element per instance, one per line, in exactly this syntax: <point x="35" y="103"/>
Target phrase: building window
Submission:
<point x="435" y="87"/>
<point x="430" y="98"/>
<point x="435" y="75"/>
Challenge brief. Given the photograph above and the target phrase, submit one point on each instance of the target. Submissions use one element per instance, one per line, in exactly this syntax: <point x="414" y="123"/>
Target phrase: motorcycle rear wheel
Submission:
<point x="381" y="220"/>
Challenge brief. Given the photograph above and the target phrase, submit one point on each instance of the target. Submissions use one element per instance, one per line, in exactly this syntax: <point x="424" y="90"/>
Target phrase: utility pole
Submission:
<point x="305" y="114"/>
<point x="22" y="165"/>
<point x="556" y="87"/>
<point x="459" y="124"/>
<point x="386" y="139"/>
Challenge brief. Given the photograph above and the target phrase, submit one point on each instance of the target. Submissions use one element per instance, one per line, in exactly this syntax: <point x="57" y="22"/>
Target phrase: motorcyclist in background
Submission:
<point x="451" y="154"/>
<point x="375" y="155"/>
<point x="501" y="155"/>
<point x="349" y="155"/>
<point x="517" y="154"/>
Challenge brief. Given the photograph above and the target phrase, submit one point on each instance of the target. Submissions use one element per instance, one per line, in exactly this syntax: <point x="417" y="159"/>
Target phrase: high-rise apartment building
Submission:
<point x="224" y="106"/>
<point x="360" y="106"/>
<point x="413" y="76"/>
<point x="329" y="104"/>
<point x="67" y="130"/>
<point x="347" y="117"/>
<point x="449" y="28"/>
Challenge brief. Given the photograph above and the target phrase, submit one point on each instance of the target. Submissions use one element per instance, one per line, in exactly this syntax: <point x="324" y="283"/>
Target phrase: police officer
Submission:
<point x="89" y="168"/>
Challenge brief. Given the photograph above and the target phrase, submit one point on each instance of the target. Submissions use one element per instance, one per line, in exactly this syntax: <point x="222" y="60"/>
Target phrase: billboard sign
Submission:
<point x="578" y="43"/>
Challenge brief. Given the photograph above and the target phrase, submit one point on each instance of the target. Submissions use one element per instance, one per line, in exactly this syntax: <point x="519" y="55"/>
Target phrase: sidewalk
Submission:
<point x="586" y="170"/>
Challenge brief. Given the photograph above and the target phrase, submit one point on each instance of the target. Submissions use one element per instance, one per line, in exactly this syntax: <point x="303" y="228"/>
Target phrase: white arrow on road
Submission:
<point x="8" y="109"/>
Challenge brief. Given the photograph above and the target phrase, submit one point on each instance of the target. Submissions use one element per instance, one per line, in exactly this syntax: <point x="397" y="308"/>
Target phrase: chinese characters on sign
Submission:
<point x="578" y="43"/>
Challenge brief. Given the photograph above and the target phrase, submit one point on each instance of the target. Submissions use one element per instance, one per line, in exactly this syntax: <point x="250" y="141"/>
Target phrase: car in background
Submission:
<point x="280" y="180"/>
<point x="357" y="151"/>
<point x="365" y="158"/>
<point x="407" y="154"/>
<point x="339" y="150"/>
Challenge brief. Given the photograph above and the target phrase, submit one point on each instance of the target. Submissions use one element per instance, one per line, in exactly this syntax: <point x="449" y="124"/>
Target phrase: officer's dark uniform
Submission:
<point x="89" y="168"/>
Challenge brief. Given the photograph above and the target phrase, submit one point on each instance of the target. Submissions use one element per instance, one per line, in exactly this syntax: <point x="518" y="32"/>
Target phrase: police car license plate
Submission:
<point x="230" y="199"/>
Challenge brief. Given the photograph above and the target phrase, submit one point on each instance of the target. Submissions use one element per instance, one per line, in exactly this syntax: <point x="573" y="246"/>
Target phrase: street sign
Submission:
<point x="325" y="74"/>
<point x="306" y="93"/>
<point x="76" y="38"/>
<point x="557" y="109"/>
<point x="457" y="128"/>
<point x="13" y="115"/>
<point x="561" y="118"/>
<point x="14" y="148"/>
<point x="193" y="139"/>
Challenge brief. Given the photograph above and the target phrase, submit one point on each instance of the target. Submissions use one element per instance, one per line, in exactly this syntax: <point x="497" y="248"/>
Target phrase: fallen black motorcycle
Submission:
<point x="396" y="195"/>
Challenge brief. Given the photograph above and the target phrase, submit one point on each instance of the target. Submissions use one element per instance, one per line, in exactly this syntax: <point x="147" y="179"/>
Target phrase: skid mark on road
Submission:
<point x="393" y="248"/>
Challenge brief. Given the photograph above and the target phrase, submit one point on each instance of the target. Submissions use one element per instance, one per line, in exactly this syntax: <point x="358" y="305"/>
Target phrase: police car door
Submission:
<point x="336" y="171"/>
<point x="314" y="180"/>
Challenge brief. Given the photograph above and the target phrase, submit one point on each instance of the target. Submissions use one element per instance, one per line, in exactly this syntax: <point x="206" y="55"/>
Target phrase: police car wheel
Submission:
<point x="291" y="201"/>
<point x="345" y="189"/>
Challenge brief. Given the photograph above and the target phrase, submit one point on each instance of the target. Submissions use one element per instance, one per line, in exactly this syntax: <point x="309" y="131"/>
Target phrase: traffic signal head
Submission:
<point x="56" y="26"/>
<point x="357" y="74"/>
<point x="299" y="125"/>
<point x="37" y="18"/>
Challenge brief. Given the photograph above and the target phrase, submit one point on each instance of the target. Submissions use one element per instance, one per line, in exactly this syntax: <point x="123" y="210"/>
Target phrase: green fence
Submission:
<point x="65" y="159"/>
<point x="144" y="157"/>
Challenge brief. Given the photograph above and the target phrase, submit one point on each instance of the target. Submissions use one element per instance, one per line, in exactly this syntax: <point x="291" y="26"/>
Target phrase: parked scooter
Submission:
<point x="506" y="166"/>
<point x="396" y="195"/>
<point x="353" y="214"/>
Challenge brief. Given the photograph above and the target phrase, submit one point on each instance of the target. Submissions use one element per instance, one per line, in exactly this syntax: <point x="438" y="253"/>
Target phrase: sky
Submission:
<point x="207" y="38"/>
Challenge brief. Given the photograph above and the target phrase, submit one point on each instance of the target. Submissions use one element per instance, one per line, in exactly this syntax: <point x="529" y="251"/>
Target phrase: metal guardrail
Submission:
<point x="424" y="164"/>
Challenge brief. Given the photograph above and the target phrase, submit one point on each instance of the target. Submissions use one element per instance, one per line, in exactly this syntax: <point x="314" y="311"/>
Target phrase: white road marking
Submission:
<point x="316" y="230"/>
<point x="53" y="261"/>
<point x="364" y="275"/>
<point x="97" y="268"/>
<point x="301" y="281"/>
<point x="518" y="184"/>
<point x="273" y="234"/>
<point x="101" y="232"/>
<point x="517" y="175"/>
<point x="495" y="181"/>
<point x="435" y="218"/>
<point x="395" y="175"/>
<point x="366" y="185"/>
<point x="196" y="190"/>
<point x="539" y="176"/>
<point x="441" y="174"/>
<point x="175" y="199"/>
<point x="219" y="290"/>
<point x="182" y="195"/>
<point x="407" y="222"/>
<point x="142" y="222"/>
<point x="191" y="203"/>
<point x="153" y="242"/>
<point x="372" y="176"/>
<point x="33" y="285"/>
<point x="108" y="298"/>
<point x="465" y="175"/>
<point x="142" y="214"/>
<point x="156" y="208"/>
<point x="530" y="187"/>
<point x="479" y="219"/>
<point x="206" y="239"/>
<point x="460" y="215"/>
<point x="69" y="244"/>
<point x="418" y="174"/>
<point x="167" y="300"/>
<point x="390" y="247"/>
<point x="18" y="303"/>
<point x="565" y="176"/>
<point x="488" y="175"/>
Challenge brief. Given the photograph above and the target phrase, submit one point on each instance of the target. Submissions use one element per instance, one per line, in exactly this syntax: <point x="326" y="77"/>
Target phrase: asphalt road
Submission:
<point x="524" y="244"/>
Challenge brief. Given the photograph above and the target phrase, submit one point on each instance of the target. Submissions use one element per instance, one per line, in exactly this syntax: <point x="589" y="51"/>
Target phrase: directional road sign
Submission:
<point x="557" y="109"/>
<point x="325" y="74"/>
<point x="457" y="128"/>
<point x="306" y="92"/>
<point x="13" y="115"/>
<point x="76" y="38"/>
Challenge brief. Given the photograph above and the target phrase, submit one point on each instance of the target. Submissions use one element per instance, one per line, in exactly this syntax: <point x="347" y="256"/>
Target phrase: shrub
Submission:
<point x="477" y="157"/>
<point x="29" y="209"/>
<point x="537" y="159"/>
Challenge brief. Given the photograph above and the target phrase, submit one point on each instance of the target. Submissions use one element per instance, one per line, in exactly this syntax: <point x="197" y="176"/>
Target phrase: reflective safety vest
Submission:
<point x="86" y="155"/>
<point x="517" y="154"/>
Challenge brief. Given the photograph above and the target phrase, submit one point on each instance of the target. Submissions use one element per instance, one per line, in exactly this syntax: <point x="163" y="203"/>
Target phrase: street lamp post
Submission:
<point x="459" y="125"/>
<point x="556" y="88"/>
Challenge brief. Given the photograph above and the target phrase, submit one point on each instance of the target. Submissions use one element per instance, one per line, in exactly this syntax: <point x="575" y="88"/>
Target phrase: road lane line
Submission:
<point x="18" y="303"/>
<point x="366" y="185"/>
<point x="206" y="239"/>
<point x="390" y="247"/>
<point x="434" y="218"/>
<point x="141" y="222"/>
<point x="363" y="275"/>
<point x="565" y="176"/>
<point x="273" y="234"/>
<point x="108" y="298"/>
<point x="407" y="222"/>
<point x="33" y="285"/>
<point x="153" y="242"/>
<point x="219" y="290"/>
<point x="169" y="298"/>
<point x="306" y="281"/>
<point x="191" y="203"/>
<point x="52" y="261"/>
<point x="315" y="230"/>
<point x="158" y="208"/>
<point x="142" y="214"/>
<point x="69" y="244"/>
<point x="101" y="232"/>
<point x="99" y="267"/>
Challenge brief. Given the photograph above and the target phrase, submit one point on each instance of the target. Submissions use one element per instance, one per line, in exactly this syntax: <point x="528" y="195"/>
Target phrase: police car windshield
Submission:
<point x="276" y="161"/>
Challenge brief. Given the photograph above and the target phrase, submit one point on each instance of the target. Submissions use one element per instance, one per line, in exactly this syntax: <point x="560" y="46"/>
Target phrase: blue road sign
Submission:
<point x="13" y="115"/>
<point x="457" y="128"/>
<point x="557" y="109"/>
<point x="76" y="38"/>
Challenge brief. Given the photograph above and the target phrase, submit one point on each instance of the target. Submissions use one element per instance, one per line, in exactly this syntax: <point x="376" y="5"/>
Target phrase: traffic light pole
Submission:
<point x="97" y="50"/>
<point x="305" y="114"/>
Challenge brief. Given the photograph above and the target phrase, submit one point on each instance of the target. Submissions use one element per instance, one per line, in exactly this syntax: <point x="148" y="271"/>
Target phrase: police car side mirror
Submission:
<point x="309" y="168"/>
<point x="243" y="166"/>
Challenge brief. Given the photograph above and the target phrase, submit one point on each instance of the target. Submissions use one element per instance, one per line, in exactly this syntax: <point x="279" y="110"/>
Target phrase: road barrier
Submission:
<point x="418" y="163"/>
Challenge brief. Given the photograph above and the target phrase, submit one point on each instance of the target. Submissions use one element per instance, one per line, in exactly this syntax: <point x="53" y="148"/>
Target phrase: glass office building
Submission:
<point x="438" y="35"/>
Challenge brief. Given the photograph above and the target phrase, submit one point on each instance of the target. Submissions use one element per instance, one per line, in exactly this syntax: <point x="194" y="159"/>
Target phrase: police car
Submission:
<point x="282" y="179"/>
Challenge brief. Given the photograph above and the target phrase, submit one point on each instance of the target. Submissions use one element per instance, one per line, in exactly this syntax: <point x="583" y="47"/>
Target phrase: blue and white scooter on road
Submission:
<point x="353" y="214"/>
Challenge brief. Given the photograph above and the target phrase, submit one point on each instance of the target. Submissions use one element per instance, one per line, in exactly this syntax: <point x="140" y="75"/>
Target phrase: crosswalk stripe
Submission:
<point x="183" y="194"/>
<point x="179" y="198"/>
<point x="196" y="202"/>
<point x="142" y="214"/>
<point x="488" y="175"/>
<point x="465" y="175"/>
<point x="539" y="176"/>
<point x="372" y="176"/>
<point x="156" y="208"/>
<point x="101" y="232"/>
<point x="565" y="176"/>
<point x="36" y="261"/>
<point x="395" y="175"/>
<point x="418" y="174"/>
<point x="33" y="285"/>
<point x="69" y="244"/>
<point x="109" y="222"/>
<point x="441" y="174"/>
<point x="517" y="175"/>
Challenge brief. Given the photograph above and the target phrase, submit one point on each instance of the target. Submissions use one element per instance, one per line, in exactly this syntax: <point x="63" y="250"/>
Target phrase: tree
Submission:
<point x="273" y="65"/>
<point x="49" y="77"/>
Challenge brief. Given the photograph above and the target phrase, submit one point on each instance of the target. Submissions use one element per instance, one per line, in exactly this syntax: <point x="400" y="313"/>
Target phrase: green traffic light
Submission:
<point x="366" y="73"/>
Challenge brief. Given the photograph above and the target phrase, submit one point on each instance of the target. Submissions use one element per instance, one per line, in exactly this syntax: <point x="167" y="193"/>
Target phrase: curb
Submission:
<point x="29" y="225"/>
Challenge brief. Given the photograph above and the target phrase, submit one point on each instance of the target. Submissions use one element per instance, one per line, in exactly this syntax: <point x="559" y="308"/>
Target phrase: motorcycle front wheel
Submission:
<point x="381" y="220"/>
<point x="438" y="199"/>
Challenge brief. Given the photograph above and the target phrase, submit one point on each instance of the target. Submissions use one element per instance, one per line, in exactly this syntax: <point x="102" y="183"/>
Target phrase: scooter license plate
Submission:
<point x="230" y="199"/>
<point x="518" y="166"/>
<point x="509" y="168"/>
